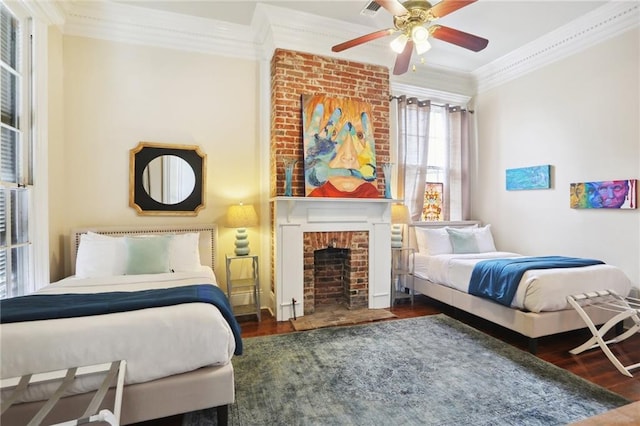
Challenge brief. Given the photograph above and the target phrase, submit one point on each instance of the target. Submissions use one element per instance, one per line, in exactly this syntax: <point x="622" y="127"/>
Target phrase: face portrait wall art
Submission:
<point x="612" y="194"/>
<point x="339" y="149"/>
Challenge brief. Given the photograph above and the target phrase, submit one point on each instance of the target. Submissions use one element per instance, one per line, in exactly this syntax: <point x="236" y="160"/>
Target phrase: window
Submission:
<point x="17" y="274"/>
<point x="446" y="189"/>
<point x="433" y="168"/>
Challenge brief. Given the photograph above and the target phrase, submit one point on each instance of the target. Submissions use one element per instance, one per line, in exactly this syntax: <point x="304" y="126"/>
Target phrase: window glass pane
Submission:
<point x="437" y="138"/>
<point x="8" y="37"/>
<point x="9" y="98"/>
<point x="19" y="276"/>
<point x="19" y="210"/>
<point x="9" y="156"/>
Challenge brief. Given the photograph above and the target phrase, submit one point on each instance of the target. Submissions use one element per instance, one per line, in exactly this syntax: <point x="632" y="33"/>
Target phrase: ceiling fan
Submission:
<point x="412" y="19"/>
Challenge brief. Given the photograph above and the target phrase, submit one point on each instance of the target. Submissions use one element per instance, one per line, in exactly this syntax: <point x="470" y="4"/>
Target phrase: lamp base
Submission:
<point x="396" y="236"/>
<point x="242" y="242"/>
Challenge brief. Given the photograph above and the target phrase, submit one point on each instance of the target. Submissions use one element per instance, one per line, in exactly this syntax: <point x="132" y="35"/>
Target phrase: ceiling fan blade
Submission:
<point x="393" y="7"/>
<point x="445" y="7"/>
<point x="459" y="38"/>
<point x="403" y="59"/>
<point x="362" y="39"/>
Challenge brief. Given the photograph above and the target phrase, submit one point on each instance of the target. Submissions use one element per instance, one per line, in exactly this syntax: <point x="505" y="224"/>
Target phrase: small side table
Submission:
<point x="402" y="267"/>
<point x="252" y="282"/>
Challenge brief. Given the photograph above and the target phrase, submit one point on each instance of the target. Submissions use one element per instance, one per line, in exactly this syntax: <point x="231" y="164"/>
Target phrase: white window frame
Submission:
<point x="32" y="16"/>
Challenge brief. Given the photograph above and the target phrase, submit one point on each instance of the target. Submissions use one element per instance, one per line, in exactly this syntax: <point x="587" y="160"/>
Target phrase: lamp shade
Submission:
<point x="241" y="216"/>
<point x="399" y="213"/>
<point x="398" y="43"/>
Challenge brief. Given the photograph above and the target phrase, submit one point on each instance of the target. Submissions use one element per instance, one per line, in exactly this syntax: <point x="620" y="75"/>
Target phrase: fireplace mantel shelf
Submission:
<point x="322" y="209"/>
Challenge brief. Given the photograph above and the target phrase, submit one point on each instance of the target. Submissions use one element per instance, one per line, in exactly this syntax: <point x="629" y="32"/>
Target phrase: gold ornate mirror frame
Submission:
<point x="142" y="180"/>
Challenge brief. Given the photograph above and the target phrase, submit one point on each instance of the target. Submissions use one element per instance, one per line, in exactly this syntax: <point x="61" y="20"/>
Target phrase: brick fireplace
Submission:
<point x="292" y="75"/>
<point x="363" y="226"/>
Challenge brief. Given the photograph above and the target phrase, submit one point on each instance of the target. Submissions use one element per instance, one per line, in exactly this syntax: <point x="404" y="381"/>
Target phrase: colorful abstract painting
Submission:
<point x="339" y="148"/>
<point x="432" y="208"/>
<point x="607" y="194"/>
<point x="535" y="177"/>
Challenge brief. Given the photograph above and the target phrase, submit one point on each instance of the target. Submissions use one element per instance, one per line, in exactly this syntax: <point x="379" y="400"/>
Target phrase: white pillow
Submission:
<point x="433" y="241"/>
<point x="184" y="252"/>
<point x="100" y="256"/>
<point x="484" y="239"/>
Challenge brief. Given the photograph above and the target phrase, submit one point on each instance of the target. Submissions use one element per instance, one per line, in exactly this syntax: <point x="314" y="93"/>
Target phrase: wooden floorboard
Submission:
<point x="592" y="365"/>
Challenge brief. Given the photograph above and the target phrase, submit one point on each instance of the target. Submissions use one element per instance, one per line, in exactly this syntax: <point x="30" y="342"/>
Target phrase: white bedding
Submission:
<point x="155" y="342"/>
<point x="539" y="289"/>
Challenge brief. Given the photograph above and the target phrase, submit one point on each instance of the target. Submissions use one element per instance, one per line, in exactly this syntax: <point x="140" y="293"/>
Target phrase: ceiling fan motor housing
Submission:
<point x="418" y="14"/>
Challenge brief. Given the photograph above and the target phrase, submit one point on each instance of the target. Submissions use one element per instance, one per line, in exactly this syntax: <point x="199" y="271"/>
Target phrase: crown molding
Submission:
<point x="603" y="23"/>
<point x="134" y="25"/>
<point x="275" y="27"/>
<point x="50" y="13"/>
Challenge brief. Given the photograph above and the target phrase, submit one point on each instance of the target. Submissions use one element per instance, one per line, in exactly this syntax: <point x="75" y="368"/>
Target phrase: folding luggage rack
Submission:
<point x="67" y="376"/>
<point x="609" y="300"/>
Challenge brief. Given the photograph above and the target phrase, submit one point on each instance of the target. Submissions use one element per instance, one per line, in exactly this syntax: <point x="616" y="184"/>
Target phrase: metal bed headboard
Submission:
<point x="208" y="238"/>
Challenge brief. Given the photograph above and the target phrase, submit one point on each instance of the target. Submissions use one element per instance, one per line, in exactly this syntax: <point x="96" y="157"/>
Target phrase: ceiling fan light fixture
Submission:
<point x="422" y="47"/>
<point x="419" y="34"/>
<point x="398" y="44"/>
<point x="413" y="21"/>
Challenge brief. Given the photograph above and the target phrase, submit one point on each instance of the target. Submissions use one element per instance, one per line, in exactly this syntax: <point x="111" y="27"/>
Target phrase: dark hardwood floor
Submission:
<point x="592" y="365"/>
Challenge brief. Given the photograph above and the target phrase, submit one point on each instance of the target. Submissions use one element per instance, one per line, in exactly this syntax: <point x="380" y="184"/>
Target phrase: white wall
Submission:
<point x="116" y="95"/>
<point x="581" y="116"/>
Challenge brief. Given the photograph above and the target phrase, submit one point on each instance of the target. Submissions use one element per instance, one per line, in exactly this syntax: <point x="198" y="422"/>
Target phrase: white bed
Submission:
<point x="178" y="357"/>
<point x="539" y="307"/>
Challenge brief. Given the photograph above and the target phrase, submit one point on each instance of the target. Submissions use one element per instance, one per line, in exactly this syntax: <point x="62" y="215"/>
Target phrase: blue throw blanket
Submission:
<point x="498" y="279"/>
<point x="51" y="306"/>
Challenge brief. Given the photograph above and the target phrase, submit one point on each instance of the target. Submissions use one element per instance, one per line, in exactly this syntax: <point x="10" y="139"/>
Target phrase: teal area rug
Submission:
<point x="429" y="370"/>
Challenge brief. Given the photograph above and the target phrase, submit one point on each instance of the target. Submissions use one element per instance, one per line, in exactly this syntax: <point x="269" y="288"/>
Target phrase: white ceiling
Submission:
<point x="507" y="24"/>
<point x="523" y="35"/>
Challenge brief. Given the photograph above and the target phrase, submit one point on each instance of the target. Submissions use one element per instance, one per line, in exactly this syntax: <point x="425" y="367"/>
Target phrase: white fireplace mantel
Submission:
<point x="293" y="216"/>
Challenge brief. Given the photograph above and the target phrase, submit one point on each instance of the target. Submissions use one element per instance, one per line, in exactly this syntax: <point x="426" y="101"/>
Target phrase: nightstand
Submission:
<point x="402" y="268"/>
<point x="252" y="283"/>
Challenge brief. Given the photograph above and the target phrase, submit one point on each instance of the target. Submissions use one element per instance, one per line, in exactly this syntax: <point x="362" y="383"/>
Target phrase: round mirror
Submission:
<point x="168" y="179"/>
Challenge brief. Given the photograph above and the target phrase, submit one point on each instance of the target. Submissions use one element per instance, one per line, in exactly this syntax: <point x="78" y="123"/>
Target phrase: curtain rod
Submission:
<point x="392" y="97"/>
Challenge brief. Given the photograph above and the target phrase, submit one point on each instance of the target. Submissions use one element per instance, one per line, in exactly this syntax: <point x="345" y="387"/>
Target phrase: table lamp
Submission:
<point x="399" y="216"/>
<point x="241" y="217"/>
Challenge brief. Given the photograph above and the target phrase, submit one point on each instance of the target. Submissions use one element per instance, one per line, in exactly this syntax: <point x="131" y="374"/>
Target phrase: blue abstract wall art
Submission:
<point x="535" y="177"/>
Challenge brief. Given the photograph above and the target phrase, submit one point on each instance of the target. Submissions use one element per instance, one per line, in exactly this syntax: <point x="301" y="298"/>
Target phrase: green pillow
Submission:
<point x="147" y="255"/>
<point x="463" y="241"/>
